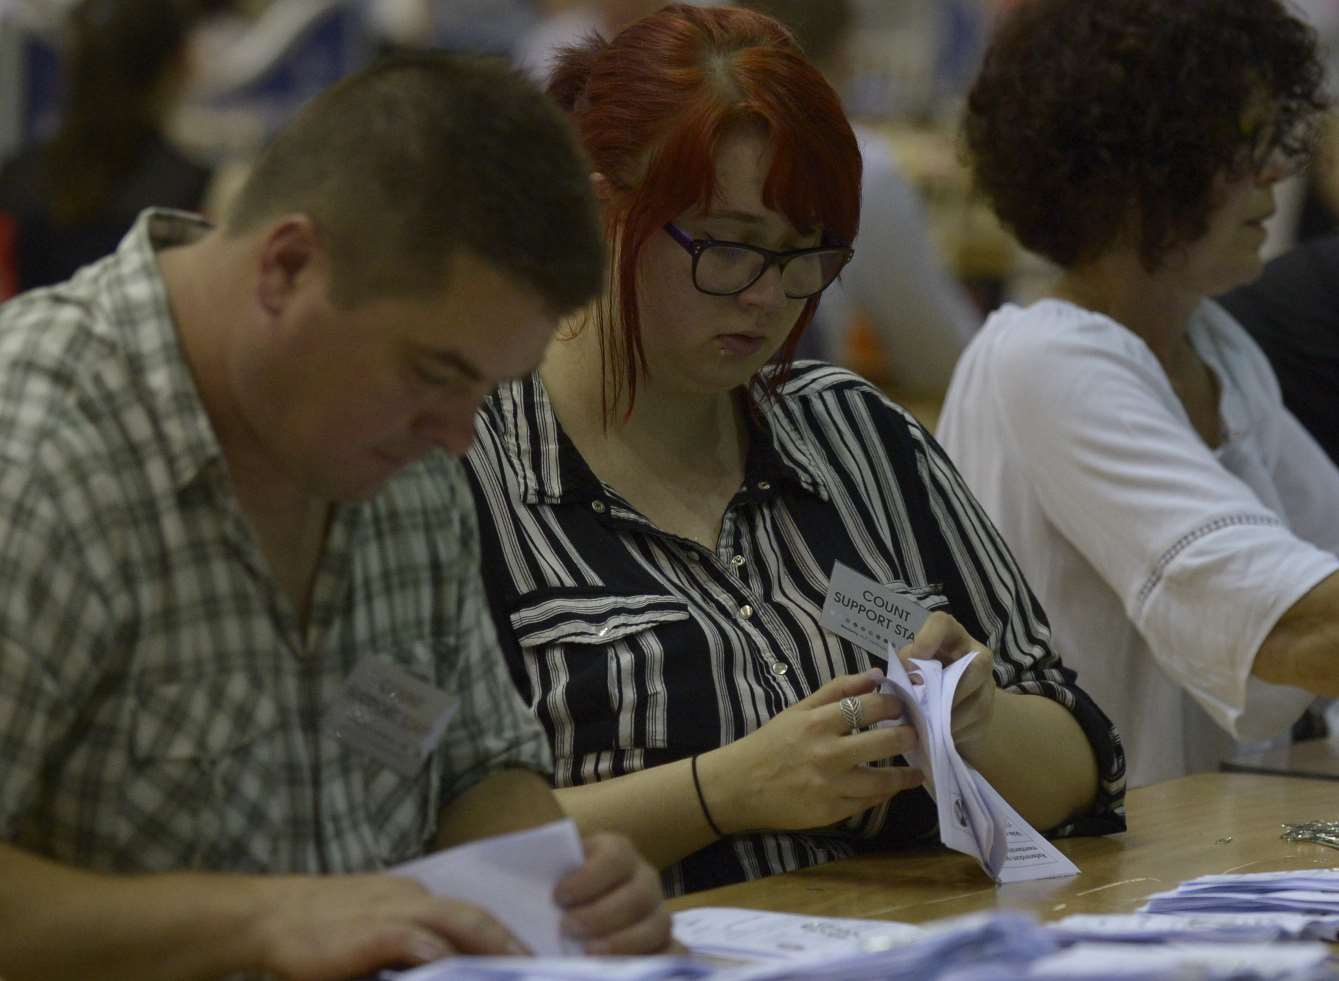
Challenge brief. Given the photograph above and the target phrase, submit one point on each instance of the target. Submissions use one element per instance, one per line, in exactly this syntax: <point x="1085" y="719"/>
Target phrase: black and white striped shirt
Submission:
<point x="636" y="647"/>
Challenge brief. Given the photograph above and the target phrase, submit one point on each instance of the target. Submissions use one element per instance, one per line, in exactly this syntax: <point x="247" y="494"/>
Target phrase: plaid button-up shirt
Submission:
<point x="160" y="707"/>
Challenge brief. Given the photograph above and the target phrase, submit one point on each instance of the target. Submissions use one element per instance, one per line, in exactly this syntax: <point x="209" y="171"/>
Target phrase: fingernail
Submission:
<point x="875" y="675"/>
<point x="426" y="951"/>
<point x="573" y="928"/>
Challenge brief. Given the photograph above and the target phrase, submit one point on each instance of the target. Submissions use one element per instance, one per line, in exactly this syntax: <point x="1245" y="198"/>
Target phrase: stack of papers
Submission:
<point x="1001" y="939"/>
<point x="1148" y="928"/>
<point x="1310" y="892"/>
<point x="1225" y="962"/>
<point x="982" y="947"/>
<point x="724" y="933"/>
<point x="973" y="817"/>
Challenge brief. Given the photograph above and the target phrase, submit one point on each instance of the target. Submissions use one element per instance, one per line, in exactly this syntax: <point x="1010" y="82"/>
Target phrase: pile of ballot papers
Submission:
<point x="727" y="944"/>
<point x="1251" y="927"/>
<point x="1309" y="892"/>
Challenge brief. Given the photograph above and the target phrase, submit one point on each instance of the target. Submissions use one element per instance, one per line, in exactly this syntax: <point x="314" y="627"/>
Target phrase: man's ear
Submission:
<point x="604" y="190"/>
<point x="287" y="261"/>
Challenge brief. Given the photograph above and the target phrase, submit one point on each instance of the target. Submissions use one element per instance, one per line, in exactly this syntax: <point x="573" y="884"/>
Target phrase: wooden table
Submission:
<point x="1211" y="822"/>
<point x="1317" y="759"/>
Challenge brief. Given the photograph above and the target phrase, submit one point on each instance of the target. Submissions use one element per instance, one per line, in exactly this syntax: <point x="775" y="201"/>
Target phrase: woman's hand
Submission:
<point x="943" y="639"/>
<point x="805" y="768"/>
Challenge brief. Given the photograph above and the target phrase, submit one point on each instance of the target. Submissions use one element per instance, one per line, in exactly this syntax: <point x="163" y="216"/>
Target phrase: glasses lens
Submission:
<point x="726" y="269"/>
<point x="807" y="275"/>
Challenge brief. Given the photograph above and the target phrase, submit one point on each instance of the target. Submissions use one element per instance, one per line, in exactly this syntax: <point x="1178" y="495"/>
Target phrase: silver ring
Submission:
<point x="853" y="713"/>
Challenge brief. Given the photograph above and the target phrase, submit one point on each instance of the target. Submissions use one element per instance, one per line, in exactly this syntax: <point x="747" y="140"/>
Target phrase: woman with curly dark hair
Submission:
<point x="1124" y="432"/>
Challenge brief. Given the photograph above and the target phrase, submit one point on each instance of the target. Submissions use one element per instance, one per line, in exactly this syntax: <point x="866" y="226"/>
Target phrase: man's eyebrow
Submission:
<point x="450" y="359"/>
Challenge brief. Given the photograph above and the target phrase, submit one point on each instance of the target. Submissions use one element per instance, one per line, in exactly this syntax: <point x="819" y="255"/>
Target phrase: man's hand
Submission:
<point x="614" y="902"/>
<point x="333" y="927"/>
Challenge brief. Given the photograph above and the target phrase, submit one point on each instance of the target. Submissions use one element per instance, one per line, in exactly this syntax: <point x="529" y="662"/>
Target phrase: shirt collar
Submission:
<point x="140" y="308"/>
<point x="552" y="471"/>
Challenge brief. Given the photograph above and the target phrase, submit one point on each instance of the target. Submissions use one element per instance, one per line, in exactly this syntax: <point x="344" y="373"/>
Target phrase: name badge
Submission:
<point x="869" y="614"/>
<point x="385" y="713"/>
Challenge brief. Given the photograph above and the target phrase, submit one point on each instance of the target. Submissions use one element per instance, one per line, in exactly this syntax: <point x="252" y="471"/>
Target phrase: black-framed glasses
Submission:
<point x="727" y="268"/>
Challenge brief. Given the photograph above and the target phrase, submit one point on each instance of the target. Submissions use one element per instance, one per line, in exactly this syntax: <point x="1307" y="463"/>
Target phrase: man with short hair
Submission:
<point x="226" y="534"/>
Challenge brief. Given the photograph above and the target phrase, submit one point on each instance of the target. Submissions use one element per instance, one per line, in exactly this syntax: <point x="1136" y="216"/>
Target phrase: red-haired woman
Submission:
<point x="663" y="503"/>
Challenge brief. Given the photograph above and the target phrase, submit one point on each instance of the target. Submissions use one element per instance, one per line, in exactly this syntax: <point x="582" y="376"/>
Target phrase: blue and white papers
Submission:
<point x="1263" y="927"/>
<point x="1313" y="893"/>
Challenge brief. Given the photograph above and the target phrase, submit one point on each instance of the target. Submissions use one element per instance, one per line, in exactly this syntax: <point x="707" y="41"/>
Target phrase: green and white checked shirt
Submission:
<point x="159" y="707"/>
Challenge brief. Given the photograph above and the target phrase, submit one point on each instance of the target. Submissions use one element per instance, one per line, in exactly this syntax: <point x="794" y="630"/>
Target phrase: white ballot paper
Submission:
<point x="755" y="935"/>
<point x="511" y="876"/>
<point x="973" y="818"/>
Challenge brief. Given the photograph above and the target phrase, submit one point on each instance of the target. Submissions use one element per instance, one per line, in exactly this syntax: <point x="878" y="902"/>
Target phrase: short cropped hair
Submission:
<point x="653" y="103"/>
<point x="820" y="28"/>
<point x="421" y="156"/>
<point x="1091" y="118"/>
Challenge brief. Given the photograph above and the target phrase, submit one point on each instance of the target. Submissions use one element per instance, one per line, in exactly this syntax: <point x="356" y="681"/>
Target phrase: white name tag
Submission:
<point x="385" y="713"/>
<point x="869" y="614"/>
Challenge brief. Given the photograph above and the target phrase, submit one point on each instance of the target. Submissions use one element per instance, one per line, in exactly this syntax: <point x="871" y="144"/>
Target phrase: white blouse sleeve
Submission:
<point x="1202" y="567"/>
<point x="1307" y="482"/>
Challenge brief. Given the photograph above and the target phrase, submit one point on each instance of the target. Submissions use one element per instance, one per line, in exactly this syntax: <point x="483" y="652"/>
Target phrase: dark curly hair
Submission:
<point x="1089" y="113"/>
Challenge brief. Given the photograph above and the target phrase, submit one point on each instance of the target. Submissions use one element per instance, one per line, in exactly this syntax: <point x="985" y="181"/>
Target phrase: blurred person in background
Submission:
<point x="569" y="22"/>
<point x="1125" y="432"/>
<point x="897" y="282"/>
<point x="68" y="201"/>
<point x="1292" y="312"/>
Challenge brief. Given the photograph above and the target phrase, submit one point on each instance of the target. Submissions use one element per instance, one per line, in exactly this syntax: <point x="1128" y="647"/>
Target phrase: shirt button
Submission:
<point x="779" y="669"/>
<point x="746" y="611"/>
<point x="597" y="507"/>
<point x="737" y="561"/>
<point x="764" y="485"/>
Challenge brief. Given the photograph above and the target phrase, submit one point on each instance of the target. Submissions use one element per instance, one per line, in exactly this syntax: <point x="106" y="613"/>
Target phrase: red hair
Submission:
<point x="653" y="104"/>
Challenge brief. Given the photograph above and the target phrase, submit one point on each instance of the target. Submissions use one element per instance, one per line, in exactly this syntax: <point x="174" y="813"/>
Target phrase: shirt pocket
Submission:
<point x="596" y="666"/>
<point x="401" y="811"/>
<point x="202" y="789"/>
<point x="930" y="596"/>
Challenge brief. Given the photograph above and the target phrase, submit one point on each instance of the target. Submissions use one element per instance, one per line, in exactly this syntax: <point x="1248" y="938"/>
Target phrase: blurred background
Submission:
<point x="107" y="106"/>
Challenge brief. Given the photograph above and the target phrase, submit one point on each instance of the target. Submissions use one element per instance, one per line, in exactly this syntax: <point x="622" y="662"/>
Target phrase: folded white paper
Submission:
<point x="973" y="818"/>
<point x="512" y="877"/>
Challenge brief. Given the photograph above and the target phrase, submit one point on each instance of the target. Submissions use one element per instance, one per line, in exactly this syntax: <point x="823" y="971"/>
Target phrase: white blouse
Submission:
<point x="1162" y="564"/>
